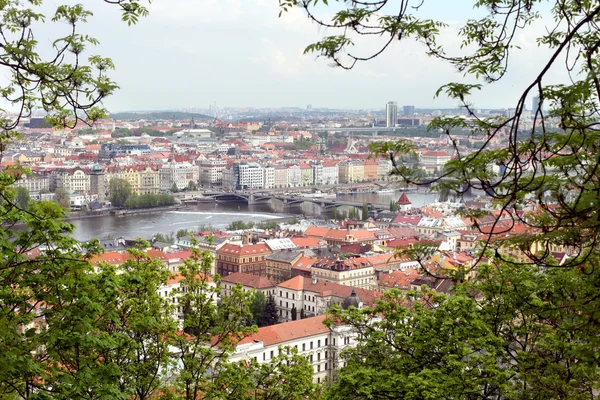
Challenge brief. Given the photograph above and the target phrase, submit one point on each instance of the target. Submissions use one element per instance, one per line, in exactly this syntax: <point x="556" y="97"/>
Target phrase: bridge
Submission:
<point x="290" y="201"/>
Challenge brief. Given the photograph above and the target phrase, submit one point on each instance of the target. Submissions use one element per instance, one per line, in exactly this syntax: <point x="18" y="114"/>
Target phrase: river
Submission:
<point x="218" y="215"/>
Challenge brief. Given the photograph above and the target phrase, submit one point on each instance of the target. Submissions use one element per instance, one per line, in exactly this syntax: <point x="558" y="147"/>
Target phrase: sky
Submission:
<point x="239" y="53"/>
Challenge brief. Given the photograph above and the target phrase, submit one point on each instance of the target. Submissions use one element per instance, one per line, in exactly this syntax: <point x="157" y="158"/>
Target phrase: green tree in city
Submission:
<point x="119" y="191"/>
<point x="365" y="212"/>
<point x="62" y="198"/>
<point x="211" y="331"/>
<point x="287" y="376"/>
<point x="270" y="316"/>
<point x="257" y="308"/>
<point x="182" y="233"/>
<point x="334" y="213"/>
<point x="527" y="334"/>
<point x="22" y="197"/>
<point x="192" y="185"/>
<point x="174" y="188"/>
<point x="141" y="323"/>
<point x="294" y="312"/>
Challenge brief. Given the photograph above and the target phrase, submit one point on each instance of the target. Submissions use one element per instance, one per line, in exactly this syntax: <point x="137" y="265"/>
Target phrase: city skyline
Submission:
<point x="240" y="54"/>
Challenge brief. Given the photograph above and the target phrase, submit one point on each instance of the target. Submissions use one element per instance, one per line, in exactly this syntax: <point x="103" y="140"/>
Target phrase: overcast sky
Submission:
<point x="237" y="53"/>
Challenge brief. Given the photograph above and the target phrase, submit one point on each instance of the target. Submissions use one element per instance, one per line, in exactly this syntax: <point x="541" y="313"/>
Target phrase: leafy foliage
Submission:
<point x="119" y="191"/>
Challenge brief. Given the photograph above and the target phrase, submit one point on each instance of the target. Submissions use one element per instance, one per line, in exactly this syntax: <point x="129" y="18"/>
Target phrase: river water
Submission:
<point x="218" y="215"/>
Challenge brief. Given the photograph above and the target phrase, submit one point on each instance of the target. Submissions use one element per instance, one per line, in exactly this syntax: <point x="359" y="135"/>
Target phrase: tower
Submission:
<point x="535" y="104"/>
<point x="391" y="114"/>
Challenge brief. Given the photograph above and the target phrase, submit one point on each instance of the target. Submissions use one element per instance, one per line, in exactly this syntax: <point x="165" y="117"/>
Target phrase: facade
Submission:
<point x="435" y="158"/>
<point x="371" y="170"/>
<point x="249" y="258"/>
<point x="247" y="175"/>
<point x="383" y="169"/>
<point x="356" y="272"/>
<point x="311" y="296"/>
<point x="178" y="174"/>
<point x="211" y="171"/>
<point x="279" y="265"/>
<point x="109" y="150"/>
<point x="76" y="181"/>
<point x="34" y="184"/>
<point x="280" y="176"/>
<point x="391" y="114"/>
<point x="294" y="176"/>
<point x="248" y="282"/>
<point x="408" y="110"/>
<point x="269" y="177"/>
<point x="306" y="175"/>
<point x="320" y="344"/>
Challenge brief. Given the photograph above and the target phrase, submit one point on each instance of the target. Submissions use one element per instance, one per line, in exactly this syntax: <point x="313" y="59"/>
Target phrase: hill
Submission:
<point x="176" y="115"/>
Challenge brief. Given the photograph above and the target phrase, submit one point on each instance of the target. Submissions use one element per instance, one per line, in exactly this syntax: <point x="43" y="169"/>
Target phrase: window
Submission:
<point x="325" y="341"/>
<point x="318" y="343"/>
<point x="311" y="345"/>
<point x="264" y="356"/>
<point x="303" y="346"/>
<point x="293" y="296"/>
<point x="280" y="294"/>
<point x="287" y="305"/>
<point x="319" y="368"/>
<point x="310" y="358"/>
<point x="271" y="353"/>
<point x="318" y="356"/>
<point x="286" y="295"/>
<point x="326" y="355"/>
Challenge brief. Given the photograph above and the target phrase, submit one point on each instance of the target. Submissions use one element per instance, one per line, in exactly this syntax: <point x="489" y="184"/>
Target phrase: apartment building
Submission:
<point x="75" y="180"/>
<point x="211" y="171"/>
<point x="320" y="344"/>
<point x="356" y="272"/>
<point x="311" y="296"/>
<point x="178" y="174"/>
<point x="248" y="258"/>
<point x="279" y="265"/>
<point x="248" y="282"/>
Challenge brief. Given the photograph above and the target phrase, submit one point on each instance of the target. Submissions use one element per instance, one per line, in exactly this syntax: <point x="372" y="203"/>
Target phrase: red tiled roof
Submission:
<point x="244" y="250"/>
<point x="293" y="330"/>
<point x="249" y="280"/>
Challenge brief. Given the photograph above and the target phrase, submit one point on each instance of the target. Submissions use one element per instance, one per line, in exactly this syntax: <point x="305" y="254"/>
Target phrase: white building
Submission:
<point x="294" y="176"/>
<point x="269" y="177"/>
<point x="179" y="174"/>
<point x="173" y="290"/>
<point x="248" y="175"/>
<point x="281" y="176"/>
<point x="77" y="181"/>
<point x="320" y="344"/>
<point x="211" y="171"/>
<point x="330" y="173"/>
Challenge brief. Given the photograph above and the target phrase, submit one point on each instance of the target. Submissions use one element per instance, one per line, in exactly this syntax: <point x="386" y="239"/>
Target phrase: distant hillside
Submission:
<point x="176" y="115"/>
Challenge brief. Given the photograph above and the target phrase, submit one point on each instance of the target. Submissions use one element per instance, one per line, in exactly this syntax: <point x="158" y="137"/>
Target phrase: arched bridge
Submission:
<point x="289" y="201"/>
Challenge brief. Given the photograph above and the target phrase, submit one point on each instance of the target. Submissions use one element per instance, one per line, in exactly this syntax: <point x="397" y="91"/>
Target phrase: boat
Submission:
<point x="381" y="191"/>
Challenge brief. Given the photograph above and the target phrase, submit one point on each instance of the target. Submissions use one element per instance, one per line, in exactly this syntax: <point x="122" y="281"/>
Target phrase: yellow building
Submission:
<point x="143" y="180"/>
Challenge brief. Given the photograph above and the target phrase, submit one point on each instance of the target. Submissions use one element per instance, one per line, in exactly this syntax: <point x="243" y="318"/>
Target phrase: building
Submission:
<point x="211" y="171"/>
<point x="408" y="110"/>
<point x="320" y="344"/>
<point x="75" y="181"/>
<point x="269" y="177"/>
<point x="311" y="296"/>
<point x="110" y="150"/>
<point x="535" y="104"/>
<point x="35" y="184"/>
<point x="356" y="272"/>
<point x="247" y="175"/>
<point x="306" y="175"/>
<point x="404" y="202"/>
<point x="248" y="282"/>
<point x="248" y="258"/>
<point x="279" y="265"/>
<point x="178" y="174"/>
<point x="280" y="176"/>
<point x="371" y="170"/>
<point x="391" y="114"/>
<point x="172" y="290"/>
<point x="435" y="158"/>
